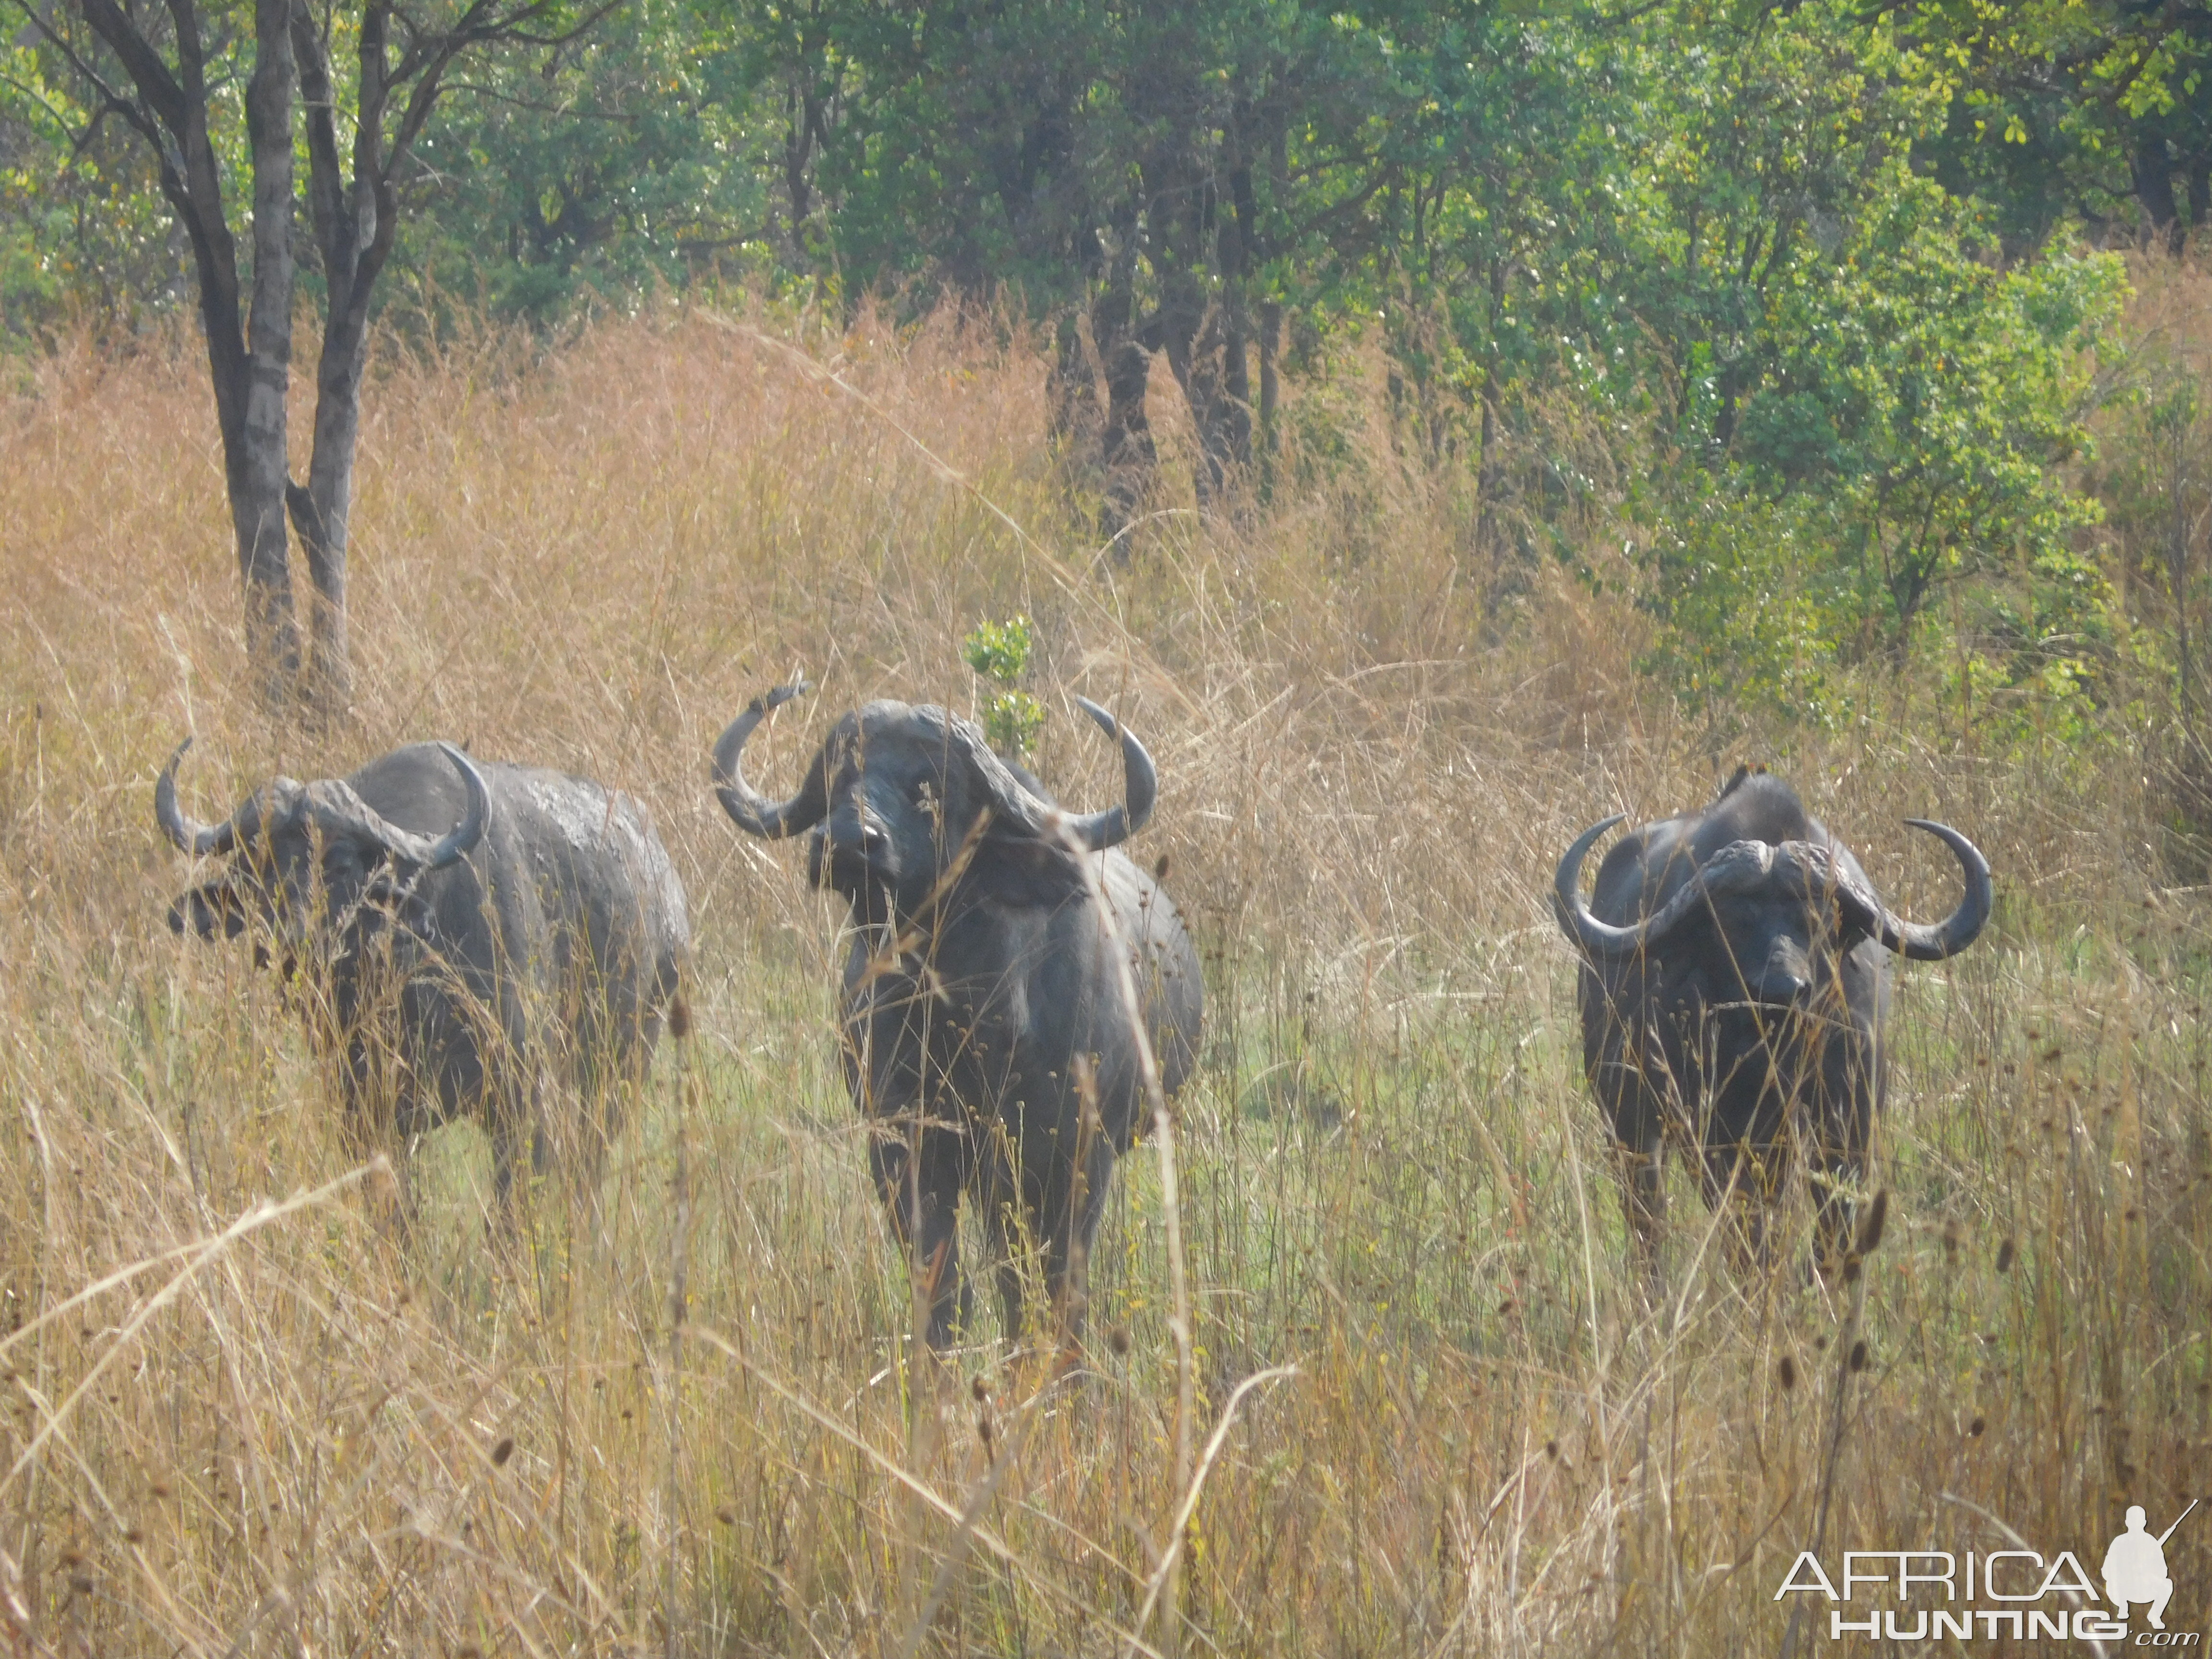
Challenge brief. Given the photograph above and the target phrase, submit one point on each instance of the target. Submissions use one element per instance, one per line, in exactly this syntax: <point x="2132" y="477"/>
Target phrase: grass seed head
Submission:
<point x="1876" y="1219"/>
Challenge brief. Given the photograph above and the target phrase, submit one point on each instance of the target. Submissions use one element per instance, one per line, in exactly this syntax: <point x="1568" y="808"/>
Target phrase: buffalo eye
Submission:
<point x="342" y="864"/>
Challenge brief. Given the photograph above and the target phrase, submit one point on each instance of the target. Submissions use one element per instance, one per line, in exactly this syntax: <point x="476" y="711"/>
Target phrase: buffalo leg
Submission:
<point x="1074" y="1225"/>
<point x="1628" y="1073"/>
<point x="1740" y="1190"/>
<point x="918" y="1173"/>
<point x="1003" y="1226"/>
<point x="1842" y="1123"/>
<point x="513" y="1120"/>
<point x="1008" y="1216"/>
<point x="1644" y="1203"/>
<point x="1832" y="1223"/>
<point x="369" y="1133"/>
<point x="1834" y="1215"/>
<point x="613" y="1064"/>
<point x="1640" y="1155"/>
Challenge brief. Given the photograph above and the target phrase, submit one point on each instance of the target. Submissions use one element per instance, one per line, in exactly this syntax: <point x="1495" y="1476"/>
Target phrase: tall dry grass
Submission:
<point x="245" y="1415"/>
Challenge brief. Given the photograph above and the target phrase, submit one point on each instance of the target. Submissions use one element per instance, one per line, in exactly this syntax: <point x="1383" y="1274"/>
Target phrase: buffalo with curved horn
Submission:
<point x="1734" y="988"/>
<point x="464" y="931"/>
<point x="989" y="1035"/>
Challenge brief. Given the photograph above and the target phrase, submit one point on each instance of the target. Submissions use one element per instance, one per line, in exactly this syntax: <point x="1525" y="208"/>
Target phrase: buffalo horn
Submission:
<point x="1746" y="863"/>
<point x="347" y="813"/>
<point x="1140" y="784"/>
<point x="1917" y="941"/>
<point x="1738" y="865"/>
<point x="190" y="834"/>
<point x="1600" y="939"/>
<point x="751" y="810"/>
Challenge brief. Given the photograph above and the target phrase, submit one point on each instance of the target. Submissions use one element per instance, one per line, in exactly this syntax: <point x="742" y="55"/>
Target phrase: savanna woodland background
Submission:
<point x="1434" y="426"/>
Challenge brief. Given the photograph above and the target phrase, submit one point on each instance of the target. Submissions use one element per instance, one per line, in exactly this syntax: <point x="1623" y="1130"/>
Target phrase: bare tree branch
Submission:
<point x="140" y="61"/>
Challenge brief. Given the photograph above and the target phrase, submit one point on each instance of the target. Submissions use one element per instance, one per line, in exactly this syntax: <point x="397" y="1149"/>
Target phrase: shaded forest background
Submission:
<point x="1812" y="328"/>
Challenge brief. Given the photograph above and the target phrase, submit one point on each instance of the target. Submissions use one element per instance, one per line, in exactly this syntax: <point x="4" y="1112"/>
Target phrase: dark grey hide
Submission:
<point x="982" y="980"/>
<point x="1734" y="988"/>
<point x="464" y="931"/>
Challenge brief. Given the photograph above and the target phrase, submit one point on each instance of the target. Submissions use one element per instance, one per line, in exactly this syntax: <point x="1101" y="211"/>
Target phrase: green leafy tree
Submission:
<point x="1929" y="398"/>
<point x="633" y="157"/>
<point x="84" y="235"/>
<point x="1742" y="631"/>
<point x="1909" y="438"/>
<point x="2096" y="108"/>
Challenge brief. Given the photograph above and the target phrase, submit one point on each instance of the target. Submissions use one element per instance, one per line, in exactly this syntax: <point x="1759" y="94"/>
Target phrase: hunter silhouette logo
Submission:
<point x="2134" y="1567"/>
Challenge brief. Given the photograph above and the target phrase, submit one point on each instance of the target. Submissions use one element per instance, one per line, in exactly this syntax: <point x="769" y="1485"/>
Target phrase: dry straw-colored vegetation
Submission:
<point x="243" y="1414"/>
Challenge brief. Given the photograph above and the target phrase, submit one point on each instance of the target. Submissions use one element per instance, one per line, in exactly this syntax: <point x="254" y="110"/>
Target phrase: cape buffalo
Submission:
<point x="1734" y="988"/>
<point x="985" y="1001"/>
<point x="464" y="931"/>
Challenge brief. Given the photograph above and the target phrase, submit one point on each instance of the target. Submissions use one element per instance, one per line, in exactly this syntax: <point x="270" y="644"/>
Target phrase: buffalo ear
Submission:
<point x="409" y="909"/>
<point x="1020" y="868"/>
<point x="1015" y="807"/>
<point x="205" y="909"/>
<point x="1857" y="914"/>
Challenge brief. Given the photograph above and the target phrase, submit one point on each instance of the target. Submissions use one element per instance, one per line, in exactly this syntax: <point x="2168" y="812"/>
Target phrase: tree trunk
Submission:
<point x="1125" y="448"/>
<point x="1271" y="342"/>
<point x="1072" y="394"/>
<point x="257" y="510"/>
<point x="1181" y="314"/>
<point x="1205" y="349"/>
<point x="249" y="355"/>
<point x="803" y="113"/>
<point x="2200" y="189"/>
<point x="1489" y="475"/>
<point x="1229" y="433"/>
<point x="354" y="229"/>
<point x="322" y="513"/>
<point x="2153" y="170"/>
<point x="1233" y="429"/>
<point x="1211" y="367"/>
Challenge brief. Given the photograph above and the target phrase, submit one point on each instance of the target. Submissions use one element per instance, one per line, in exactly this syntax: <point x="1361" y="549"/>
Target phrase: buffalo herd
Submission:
<point x="1020" y="999"/>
